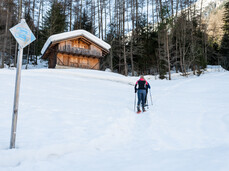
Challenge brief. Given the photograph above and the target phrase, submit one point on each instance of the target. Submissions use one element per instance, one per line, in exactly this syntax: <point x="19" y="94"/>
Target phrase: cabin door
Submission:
<point x="66" y="60"/>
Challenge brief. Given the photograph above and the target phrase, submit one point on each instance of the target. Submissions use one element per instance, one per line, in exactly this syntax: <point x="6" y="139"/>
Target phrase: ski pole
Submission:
<point x="134" y="102"/>
<point x="150" y="97"/>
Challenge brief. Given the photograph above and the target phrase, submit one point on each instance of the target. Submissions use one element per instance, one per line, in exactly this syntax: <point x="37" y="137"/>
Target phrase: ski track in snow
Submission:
<point x="84" y="120"/>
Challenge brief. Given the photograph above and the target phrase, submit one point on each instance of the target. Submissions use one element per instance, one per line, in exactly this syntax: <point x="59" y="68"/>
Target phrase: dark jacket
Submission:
<point x="142" y="85"/>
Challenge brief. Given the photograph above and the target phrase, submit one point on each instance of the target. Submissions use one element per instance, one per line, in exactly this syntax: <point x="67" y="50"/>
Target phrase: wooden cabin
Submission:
<point x="78" y="48"/>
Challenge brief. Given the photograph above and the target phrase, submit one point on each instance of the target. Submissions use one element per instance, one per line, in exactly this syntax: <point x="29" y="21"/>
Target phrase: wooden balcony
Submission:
<point x="79" y="51"/>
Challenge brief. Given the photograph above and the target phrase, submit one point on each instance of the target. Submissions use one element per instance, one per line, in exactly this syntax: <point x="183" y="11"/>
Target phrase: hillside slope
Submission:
<point x="84" y="120"/>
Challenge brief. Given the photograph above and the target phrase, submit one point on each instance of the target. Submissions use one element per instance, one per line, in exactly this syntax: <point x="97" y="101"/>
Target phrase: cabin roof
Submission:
<point x="72" y="34"/>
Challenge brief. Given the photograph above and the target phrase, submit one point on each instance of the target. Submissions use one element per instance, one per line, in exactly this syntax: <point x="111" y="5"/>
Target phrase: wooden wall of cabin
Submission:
<point x="74" y="43"/>
<point x="78" y="61"/>
<point x="78" y="43"/>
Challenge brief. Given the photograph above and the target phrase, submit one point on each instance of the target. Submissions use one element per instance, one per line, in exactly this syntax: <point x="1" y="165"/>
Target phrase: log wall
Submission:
<point x="78" y="61"/>
<point x="79" y="43"/>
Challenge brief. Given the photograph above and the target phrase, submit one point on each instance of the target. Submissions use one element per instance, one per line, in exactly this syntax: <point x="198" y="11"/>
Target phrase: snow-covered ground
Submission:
<point x="84" y="120"/>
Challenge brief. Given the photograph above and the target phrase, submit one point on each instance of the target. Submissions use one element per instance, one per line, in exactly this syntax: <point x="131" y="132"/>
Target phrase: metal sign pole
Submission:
<point x="16" y="99"/>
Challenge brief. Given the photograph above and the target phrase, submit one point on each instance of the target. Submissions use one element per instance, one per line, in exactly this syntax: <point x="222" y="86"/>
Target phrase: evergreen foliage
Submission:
<point x="54" y="21"/>
<point x="213" y="52"/>
<point x="224" y="50"/>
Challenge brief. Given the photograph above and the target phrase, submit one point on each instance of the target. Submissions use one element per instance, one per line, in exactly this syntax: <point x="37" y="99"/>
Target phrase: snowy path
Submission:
<point x="84" y="120"/>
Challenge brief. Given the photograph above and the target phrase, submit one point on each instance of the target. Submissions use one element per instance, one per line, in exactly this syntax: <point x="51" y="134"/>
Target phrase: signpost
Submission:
<point x="24" y="37"/>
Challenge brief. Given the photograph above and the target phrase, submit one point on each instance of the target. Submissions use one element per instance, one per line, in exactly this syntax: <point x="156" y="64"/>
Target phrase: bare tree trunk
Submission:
<point x="94" y="15"/>
<point x="99" y="25"/>
<point x="159" y="37"/>
<point x="15" y="55"/>
<point x="119" y="33"/>
<point x="111" y="57"/>
<point x="172" y="8"/>
<point x="147" y="18"/>
<point x="180" y="52"/>
<point x="5" y="36"/>
<point x="65" y="3"/>
<point x="26" y="67"/>
<point x="153" y="12"/>
<point x="136" y="18"/>
<point x="34" y="30"/>
<point x="28" y="48"/>
<point x="205" y="44"/>
<point x="131" y="55"/>
<point x="38" y="24"/>
<point x="19" y="20"/>
<point x="177" y="5"/>
<point x="101" y="17"/>
<point x="176" y="37"/>
<point x="176" y="53"/>
<point x="105" y="7"/>
<point x="132" y="37"/>
<point x="10" y="37"/>
<point x="81" y="7"/>
<point x="20" y="11"/>
<point x="124" y="46"/>
<point x="70" y="17"/>
<point x="168" y="56"/>
<point x="201" y="7"/>
<point x="110" y="10"/>
<point x="184" y="47"/>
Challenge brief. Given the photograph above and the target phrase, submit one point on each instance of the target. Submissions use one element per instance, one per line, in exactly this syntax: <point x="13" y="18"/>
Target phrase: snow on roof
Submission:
<point x="72" y="34"/>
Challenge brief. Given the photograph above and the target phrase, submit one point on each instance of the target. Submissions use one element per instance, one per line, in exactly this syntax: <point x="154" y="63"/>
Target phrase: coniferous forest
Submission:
<point x="146" y="36"/>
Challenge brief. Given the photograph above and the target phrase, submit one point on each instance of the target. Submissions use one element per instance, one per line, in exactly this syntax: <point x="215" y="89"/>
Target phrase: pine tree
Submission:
<point x="54" y="21"/>
<point x="225" y="41"/>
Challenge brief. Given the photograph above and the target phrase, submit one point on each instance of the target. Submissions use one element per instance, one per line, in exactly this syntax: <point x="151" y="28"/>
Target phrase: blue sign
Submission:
<point x="22" y="34"/>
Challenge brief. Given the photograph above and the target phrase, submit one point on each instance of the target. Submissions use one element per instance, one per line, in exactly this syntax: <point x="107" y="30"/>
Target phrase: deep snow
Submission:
<point x="84" y="120"/>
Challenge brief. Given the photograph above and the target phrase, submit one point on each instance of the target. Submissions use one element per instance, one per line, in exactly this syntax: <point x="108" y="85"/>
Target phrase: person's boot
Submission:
<point x="138" y="109"/>
<point x="143" y="109"/>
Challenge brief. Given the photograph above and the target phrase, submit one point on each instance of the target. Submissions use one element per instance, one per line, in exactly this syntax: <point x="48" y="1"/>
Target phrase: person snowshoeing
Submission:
<point x="140" y="88"/>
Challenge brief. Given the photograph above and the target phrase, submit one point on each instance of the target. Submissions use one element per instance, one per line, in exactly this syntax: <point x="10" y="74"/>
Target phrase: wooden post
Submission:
<point x="17" y="88"/>
<point x="16" y="99"/>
